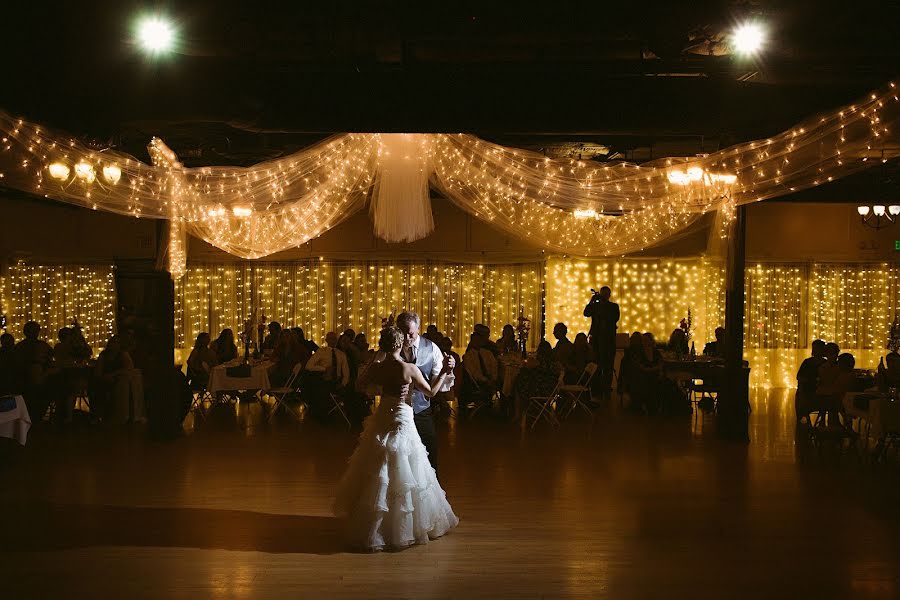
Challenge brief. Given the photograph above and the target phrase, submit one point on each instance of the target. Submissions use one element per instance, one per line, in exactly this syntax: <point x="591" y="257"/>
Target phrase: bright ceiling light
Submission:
<point x="155" y="34"/>
<point x="586" y="213"/>
<point x="748" y="38"/>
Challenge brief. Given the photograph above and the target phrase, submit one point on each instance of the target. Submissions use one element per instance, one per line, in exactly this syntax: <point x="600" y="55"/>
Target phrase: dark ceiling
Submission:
<point x="260" y="79"/>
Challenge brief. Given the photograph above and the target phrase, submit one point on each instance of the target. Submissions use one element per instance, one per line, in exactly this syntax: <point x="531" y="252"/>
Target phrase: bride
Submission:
<point x="390" y="496"/>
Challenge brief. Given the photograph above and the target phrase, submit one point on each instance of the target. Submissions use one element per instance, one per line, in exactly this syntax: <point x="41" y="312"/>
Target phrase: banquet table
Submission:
<point x="220" y="381"/>
<point x="882" y="414"/>
<point x="15" y="423"/>
<point x="510" y="367"/>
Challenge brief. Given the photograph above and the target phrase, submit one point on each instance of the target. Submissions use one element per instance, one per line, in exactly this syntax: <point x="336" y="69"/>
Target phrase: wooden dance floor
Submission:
<point x="630" y="507"/>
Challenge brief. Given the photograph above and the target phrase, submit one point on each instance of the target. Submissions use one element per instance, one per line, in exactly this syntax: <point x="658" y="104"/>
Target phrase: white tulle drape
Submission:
<point x="576" y="207"/>
<point x="401" y="204"/>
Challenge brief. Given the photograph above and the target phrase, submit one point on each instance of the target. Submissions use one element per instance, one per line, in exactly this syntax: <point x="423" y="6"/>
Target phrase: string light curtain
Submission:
<point x="57" y="295"/>
<point x="653" y="295"/>
<point x="575" y="207"/>
<point x="325" y="296"/>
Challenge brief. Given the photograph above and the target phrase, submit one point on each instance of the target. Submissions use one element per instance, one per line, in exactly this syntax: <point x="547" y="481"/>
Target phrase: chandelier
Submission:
<point x="878" y="216"/>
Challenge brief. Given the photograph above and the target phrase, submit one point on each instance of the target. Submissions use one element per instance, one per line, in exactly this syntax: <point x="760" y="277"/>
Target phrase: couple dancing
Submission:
<point x="389" y="496"/>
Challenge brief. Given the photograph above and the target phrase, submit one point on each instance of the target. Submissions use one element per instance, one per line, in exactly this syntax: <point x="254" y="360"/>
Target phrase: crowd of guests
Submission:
<point x="57" y="375"/>
<point x="826" y="376"/>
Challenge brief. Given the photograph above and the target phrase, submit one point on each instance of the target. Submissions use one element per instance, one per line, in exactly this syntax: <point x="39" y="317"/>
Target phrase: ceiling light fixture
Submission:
<point x="748" y="38"/>
<point x="155" y="35"/>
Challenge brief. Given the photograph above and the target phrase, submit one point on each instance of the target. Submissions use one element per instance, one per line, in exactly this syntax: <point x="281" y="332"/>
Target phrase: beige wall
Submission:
<point x="44" y="231"/>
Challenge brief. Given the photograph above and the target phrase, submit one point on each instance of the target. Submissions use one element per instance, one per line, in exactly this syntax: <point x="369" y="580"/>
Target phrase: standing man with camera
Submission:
<point x="604" y="317"/>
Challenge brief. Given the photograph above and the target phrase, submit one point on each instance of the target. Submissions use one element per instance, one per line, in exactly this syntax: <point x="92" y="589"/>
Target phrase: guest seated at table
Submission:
<point x="649" y="383"/>
<point x="835" y="380"/>
<point x="224" y="347"/>
<point x="537" y="379"/>
<point x="480" y="374"/>
<point x="362" y="344"/>
<point x="507" y="341"/>
<point x="808" y="380"/>
<point x="432" y="334"/>
<point x="200" y="362"/>
<point x="72" y="349"/>
<point x="888" y="375"/>
<point x="326" y="372"/>
<point x="484" y="333"/>
<point x="301" y="337"/>
<point x="8" y="375"/>
<point x="112" y="363"/>
<point x="564" y="353"/>
<point x="272" y="337"/>
<point x="628" y="367"/>
<point x="287" y="354"/>
<point x="71" y="355"/>
<point x="34" y="363"/>
<point x="716" y="349"/>
<point x="582" y="353"/>
<point x="678" y="344"/>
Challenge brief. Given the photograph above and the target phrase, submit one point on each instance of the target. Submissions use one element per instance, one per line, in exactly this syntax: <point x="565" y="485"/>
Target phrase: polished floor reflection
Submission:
<point x="628" y="507"/>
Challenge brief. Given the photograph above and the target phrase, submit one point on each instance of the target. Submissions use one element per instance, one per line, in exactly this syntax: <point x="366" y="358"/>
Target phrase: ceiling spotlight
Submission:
<point x="155" y="34"/>
<point x="748" y="38"/>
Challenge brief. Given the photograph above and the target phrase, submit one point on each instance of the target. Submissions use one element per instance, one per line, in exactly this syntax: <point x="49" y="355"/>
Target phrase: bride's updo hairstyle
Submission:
<point x="391" y="339"/>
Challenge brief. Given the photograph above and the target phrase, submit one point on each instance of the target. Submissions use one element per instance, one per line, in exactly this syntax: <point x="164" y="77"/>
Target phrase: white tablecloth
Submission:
<point x="219" y="381"/>
<point x="14" y="424"/>
<point x="883" y="415"/>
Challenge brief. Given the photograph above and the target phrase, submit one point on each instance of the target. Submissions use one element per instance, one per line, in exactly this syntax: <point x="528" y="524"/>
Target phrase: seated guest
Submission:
<point x="835" y="380"/>
<point x="8" y="377"/>
<point x="479" y="373"/>
<point x="538" y="378"/>
<point x="564" y="353"/>
<point x="354" y="357"/>
<point x="508" y="341"/>
<point x="224" y="347"/>
<point x="34" y="364"/>
<point x="200" y="362"/>
<point x="327" y="372"/>
<point x="287" y="354"/>
<point x="272" y="337"/>
<point x="888" y="376"/>
<point x="649" y="386"/>
<point x="362" y="344"/>
<point x="828" y="370"/>
<point x="70" y="354"/>
<point x="432" y="334"/>
<point x="716" y="349"/>
<point x="72" y="349"/>
<point x="628" y="368"/>
<point x="582" y="353"/>
<point x="112" y="363"/>
<point x="678" y="343"/>
<point x="484" y="332"/>
<point x="808" y="381"/>
<point x="301" y="337"/>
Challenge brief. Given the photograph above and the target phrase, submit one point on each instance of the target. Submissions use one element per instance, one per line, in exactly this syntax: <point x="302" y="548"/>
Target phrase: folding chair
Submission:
<point x="574" y="393"/>
<point x="291" y="386"/>
<point x="338" y="406"/>
<point x="544" y="405"/>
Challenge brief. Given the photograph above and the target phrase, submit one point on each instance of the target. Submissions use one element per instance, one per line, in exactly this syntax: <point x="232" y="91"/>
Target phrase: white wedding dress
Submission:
<point x="389" y="496"/>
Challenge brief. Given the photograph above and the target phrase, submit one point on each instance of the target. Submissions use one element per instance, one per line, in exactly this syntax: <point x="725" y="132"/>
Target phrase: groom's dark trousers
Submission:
<point x="425" y="425"/>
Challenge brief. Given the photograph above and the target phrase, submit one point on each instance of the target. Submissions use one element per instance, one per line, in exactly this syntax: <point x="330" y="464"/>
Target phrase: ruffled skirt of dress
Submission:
<point x="389" y="496"/>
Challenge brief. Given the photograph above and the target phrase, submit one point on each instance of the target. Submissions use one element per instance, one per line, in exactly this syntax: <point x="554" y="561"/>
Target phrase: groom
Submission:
<point x="430" y="360"/>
